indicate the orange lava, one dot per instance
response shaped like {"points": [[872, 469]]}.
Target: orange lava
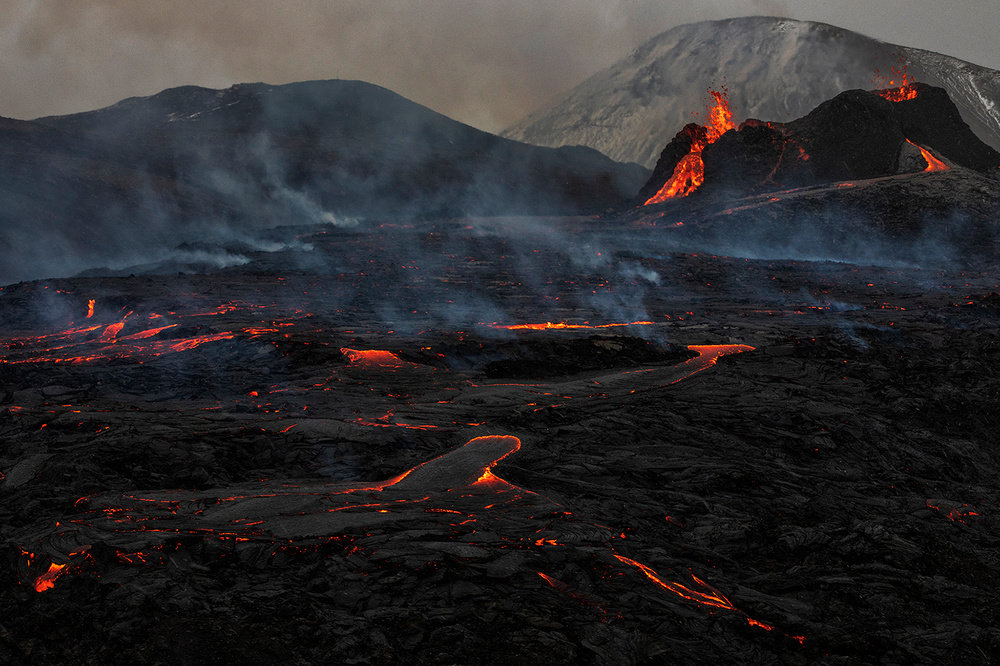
{"points": [[900, 94], [90, 308], [79, 345], [382, 422], [375, 358], [706, 595], [709, 597], [48, 579], [112, 331], [933, 163], [689, 173], [558, 584], [707, 356], [148, 333], [562, 325], [763, 625], [899, 88], [715, 351]]}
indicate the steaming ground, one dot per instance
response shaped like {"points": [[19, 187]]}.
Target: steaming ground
{"points": [[145, 179], [835, 484]]}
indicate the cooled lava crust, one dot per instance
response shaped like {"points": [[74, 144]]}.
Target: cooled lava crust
{"points": [[256, 466]]}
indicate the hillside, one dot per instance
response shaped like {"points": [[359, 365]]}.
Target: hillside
{"points": [[130, 183]]}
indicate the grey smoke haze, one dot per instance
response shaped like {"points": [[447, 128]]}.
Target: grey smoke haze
{"points": [[484, 62]]}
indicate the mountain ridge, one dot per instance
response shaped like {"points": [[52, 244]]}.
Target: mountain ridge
{"points": [[131, 182]]}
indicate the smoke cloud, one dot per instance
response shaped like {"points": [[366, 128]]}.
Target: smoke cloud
{"points": [[485, 63]]}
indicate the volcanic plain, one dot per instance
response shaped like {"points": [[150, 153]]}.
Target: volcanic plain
{"points": [[471, 441]]}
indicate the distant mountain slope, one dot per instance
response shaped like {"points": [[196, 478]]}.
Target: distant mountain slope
{"points": [[775, 69], [352, 147], [131, 182]]}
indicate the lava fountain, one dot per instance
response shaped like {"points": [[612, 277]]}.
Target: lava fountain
{"points": [[689, 173]]}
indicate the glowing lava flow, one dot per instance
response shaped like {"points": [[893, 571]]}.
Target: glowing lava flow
{"points": [[933, 163], [707, 356], [48, 579], [706, 596], [112, 331], [90, 308], [689, 173], [371, 359], [548, 326], [83, 345], [286, 513], [710, 597]]}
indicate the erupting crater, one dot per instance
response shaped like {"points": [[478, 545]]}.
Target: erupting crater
{"points": [[853, 140], [689, 173]]}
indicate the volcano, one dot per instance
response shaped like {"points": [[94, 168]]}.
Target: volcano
{"points": [[775, 68], [858, 135], [885, 175]]}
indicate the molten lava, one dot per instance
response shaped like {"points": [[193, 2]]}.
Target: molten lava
{"points": [[48, 579], [900, 94], [371, 359], [562, 325], [709, 597], [83, 345], [933, 163], [689, 173], [112, 331], [707, 356], [899, 88]]}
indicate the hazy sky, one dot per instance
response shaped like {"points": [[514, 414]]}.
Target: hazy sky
{"points": [[484, 62]]}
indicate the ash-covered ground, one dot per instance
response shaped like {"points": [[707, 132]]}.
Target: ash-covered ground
{"points": [[205, 467]]}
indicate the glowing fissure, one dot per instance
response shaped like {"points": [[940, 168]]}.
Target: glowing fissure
{"points": [[689, 173], [74, 345], [709, 597], [705, 594]]}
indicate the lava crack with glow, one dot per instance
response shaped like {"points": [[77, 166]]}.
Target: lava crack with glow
{"points": [[101, 342]]}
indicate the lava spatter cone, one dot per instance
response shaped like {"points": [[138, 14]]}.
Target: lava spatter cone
{"points": [[857, 135]]}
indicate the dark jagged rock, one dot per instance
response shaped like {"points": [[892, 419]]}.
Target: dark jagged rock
{"points": [[932, 120], [855, 135]]}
